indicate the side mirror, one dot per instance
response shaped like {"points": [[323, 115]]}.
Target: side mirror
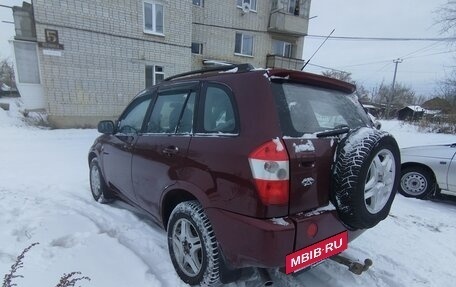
{"points": [[377, 125], [106, 127]]}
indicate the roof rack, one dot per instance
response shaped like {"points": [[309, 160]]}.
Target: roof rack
{"points": [[241, 68]]}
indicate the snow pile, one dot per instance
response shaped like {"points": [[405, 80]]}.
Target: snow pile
{"points": [[409, 135], [279, 145], [17, 117], [45, 197], [416, 108], [234, 70], [279, 221], [12, 117], [308, 146]]}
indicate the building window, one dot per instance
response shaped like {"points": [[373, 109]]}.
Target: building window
{"points": [[27, 62], [197, 48], [244, 44], [291, 6], [252, 4], [153, 18], [154, 75], [282, 48], [198, 3]]}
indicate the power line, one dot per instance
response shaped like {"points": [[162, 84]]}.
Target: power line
{"points": [[388, 62], [365, 79], [422, 49], [366, 64], [433, 54], [359, 38], [405, 57], [327, 68]]}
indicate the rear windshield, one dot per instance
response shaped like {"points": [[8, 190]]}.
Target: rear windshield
{"points": [[306, 110]]}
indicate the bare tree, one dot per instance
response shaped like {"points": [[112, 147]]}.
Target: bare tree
{"points": [[447, 89], [7, 73], [361, 91], [447, 17], [339, 75], [403, 95]]}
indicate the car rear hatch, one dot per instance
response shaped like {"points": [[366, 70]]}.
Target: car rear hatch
{"points": [[306, 112]]}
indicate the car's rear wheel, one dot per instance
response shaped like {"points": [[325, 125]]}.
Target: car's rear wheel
{"points": [[417, 182], [99, 188], [192, 245]]}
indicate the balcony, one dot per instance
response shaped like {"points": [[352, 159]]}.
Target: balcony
{"points": [[286, 23], [274, 61], [24, 22]]}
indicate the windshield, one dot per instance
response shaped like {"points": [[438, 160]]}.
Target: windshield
{"points": [[306, 109]]}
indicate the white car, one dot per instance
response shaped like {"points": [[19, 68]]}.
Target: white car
{"points": [[427, 170]]}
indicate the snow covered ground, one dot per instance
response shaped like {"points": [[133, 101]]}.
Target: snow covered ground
{"points": [[45, 198]]}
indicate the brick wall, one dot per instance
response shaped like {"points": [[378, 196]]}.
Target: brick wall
{"points": [[105, 52]]}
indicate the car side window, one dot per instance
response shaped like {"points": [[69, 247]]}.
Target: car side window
{"points": [[169, 109], [219, 113], [133, 117]]}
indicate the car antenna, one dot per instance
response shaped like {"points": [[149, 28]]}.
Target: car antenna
{"points": [[318, 49]]}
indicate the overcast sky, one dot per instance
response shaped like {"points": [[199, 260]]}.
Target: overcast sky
{"points": [[387, 18]]}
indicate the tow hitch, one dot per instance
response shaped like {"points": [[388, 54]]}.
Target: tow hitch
{"points": [[353, 266]]}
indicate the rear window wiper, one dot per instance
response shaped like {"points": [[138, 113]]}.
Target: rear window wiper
{"points": [[338, 130]]}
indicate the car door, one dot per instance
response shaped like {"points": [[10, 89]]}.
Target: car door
{"points": [[116, 151], [159, 154], [452, 171]]}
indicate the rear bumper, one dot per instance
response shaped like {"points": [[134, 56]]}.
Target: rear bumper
{"points": [[247, 241]]}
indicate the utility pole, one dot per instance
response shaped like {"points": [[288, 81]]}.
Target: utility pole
{"points": [[391, 98]]}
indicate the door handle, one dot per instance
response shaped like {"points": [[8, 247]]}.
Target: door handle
{"points": [[170, 150]]}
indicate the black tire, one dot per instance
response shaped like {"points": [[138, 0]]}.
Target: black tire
{"points": [[98, 187], [190, 216], [363, 188], [417, 182]]}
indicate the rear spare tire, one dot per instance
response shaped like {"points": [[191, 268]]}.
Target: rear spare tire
{"points": [[365, 177]]}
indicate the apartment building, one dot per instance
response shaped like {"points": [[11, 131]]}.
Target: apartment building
{"points": [[263, 33], [82, 61]]}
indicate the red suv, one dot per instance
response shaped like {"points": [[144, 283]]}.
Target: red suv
{"points": [[243, 167]]}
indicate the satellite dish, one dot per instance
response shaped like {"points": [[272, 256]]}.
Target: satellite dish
{"points": [[245, 8]]}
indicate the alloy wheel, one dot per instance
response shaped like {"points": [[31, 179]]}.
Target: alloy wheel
{"points": [[380, 181]]}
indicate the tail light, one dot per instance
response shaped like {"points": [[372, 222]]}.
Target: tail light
{"points": [[270, 168]]}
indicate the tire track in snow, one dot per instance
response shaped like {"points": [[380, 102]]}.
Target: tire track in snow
{"points": [[143, 240]]}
